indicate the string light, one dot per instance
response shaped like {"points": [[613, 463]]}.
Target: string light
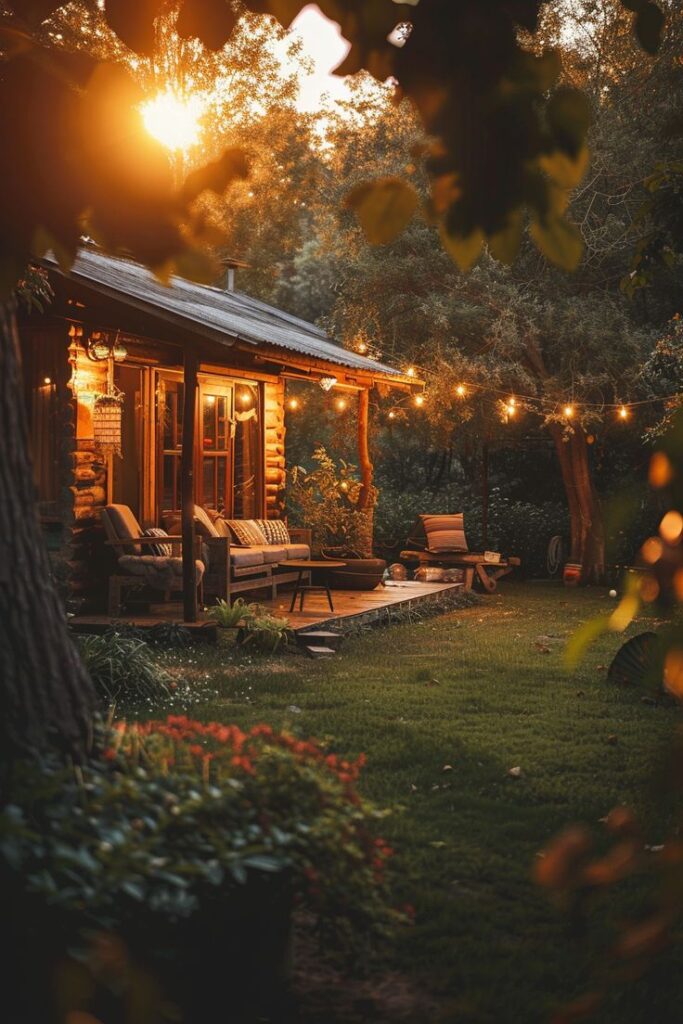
{"points": [[461, 391], [293, 404], [341, 404], [362, 347], [245, 398], [392, 415], [419, 401], [47, 380], [623, 413], [568, 411], [410, 372], [511, 408]]}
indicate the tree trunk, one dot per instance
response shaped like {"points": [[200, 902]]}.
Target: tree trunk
{"points": [[45, 692], [485, 494], [586, 525], [364, 539]]}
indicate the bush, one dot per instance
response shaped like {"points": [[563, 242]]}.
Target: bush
{"points": [[176, 814], [123, 668], [514, 527], [326, 501]]}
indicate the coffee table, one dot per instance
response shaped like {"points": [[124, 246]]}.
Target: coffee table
{"points": [[304, 565]]}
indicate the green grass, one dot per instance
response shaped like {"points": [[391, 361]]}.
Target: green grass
{"points": [[483, 690]]}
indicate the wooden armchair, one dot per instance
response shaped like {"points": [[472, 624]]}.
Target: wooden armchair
{"points": [[139, 560], [441, 541]]}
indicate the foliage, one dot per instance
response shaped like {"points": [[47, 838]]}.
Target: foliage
{"points": [[228, 616], [178, 813], [123, 668], [514, 527], [264, 631], [258, 628], [325, 500]]}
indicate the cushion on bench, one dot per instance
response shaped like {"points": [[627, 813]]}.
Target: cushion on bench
{"points": [[271, 552], [244, 558], [298, 550]]}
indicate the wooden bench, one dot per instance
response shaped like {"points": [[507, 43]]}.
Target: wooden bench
{"points": [[434, 535]]}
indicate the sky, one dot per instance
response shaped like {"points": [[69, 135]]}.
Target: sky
{"points": [[325, 46]]}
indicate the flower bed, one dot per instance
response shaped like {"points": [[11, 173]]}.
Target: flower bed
{"points": [[189, 842]]}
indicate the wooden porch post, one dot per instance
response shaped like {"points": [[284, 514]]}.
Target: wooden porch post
{"points": [[366, 467], [187, 485]]}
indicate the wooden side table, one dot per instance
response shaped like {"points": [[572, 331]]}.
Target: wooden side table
{"points": [[305, 565]]}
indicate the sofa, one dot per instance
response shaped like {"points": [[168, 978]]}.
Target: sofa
{"points": [[242, 555]]}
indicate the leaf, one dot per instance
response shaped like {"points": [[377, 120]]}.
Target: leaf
{"points": [[559, 241], [504, 245], [649, 24], [569, 118], [462, 250], [232, 165], [384, 207], [585, 635], [564, 170]]}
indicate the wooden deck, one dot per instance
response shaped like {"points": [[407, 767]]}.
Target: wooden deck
{"points": [[351, 608]]}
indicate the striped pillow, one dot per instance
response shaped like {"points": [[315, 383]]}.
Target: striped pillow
{"points": [[246, 532], [165, 550], [445, 533], [274, 530]]}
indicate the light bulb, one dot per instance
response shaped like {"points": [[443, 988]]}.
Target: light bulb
{"points": [[341, 404], [461, 391], [623, 413], [392, 415], [419, 400], [568, 411], [410, 371], [293, 404], [47, 380]]}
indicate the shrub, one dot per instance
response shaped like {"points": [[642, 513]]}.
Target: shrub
{"points": [[228, 616], [326, 500], [264, 631], [176, 814], [123, 668]]}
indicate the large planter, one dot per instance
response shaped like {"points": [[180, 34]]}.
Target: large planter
{"points": [[228, 963]]}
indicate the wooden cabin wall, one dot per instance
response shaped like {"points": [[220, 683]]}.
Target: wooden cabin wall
{"points": [[275, 471], [86, 484]]}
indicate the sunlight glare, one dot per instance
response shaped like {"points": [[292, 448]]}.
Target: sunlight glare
{"points": [[174, 120]]}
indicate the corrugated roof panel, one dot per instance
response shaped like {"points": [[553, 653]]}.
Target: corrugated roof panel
{"points": [[221, 313]]}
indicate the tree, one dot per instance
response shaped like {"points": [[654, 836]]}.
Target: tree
{"points": [[78, 160]]}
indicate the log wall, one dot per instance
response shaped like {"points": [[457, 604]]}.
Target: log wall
{"points": [[275, 472]]}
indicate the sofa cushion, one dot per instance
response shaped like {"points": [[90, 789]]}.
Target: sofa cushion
{"points": [[157, 570], [298, 550], [274, 530], [203, 523], [271, 552], [124, 526], [244, 558], [246, 532]]}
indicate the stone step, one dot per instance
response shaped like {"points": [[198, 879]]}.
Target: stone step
{"points": [[319, 652], [322, 636]]}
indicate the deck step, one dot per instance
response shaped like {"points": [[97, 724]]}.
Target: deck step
{"points": [[318, 652], [320, 636]]}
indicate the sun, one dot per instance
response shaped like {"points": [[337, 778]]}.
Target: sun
{"points": [[174, 120]]}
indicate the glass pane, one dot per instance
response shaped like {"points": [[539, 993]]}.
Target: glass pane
{"points": [[180, 394], [208, 482], [209, 420], [168, 501], [222, 481], [223, 438], [168, 413], [248, 454]]}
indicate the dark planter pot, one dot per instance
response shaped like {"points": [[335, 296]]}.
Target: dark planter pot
{"points": [[229, 963]]}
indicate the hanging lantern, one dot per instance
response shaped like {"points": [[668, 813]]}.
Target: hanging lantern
{"points": [[106, 419]]}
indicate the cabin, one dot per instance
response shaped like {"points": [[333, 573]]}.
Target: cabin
{"points": [[160, 397]]}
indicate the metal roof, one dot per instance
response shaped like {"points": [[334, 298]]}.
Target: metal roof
{"points": [[211, 311]]}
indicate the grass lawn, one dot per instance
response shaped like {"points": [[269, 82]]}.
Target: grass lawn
{"points": [[482, 690]]}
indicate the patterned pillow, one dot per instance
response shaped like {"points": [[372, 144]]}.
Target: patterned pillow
{"points": [[246, 532], [274, 530], [166, 550]]}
